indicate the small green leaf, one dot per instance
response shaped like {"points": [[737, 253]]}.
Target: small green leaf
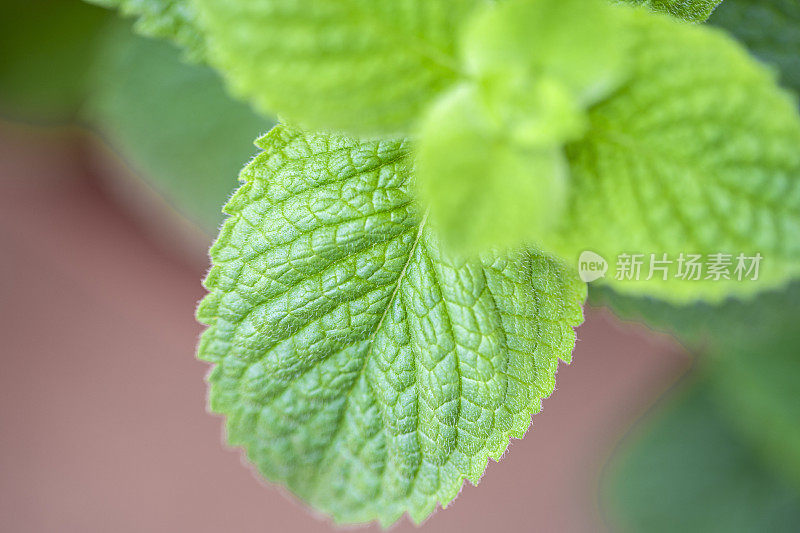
{"points": [[166, 19], [484, 189], [358, 65], [581, 44], [490, 156], [356, 362], [691, 10], [697, 156]]}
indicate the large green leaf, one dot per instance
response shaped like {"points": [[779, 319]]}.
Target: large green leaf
{"points": [[360, 65], [357, 363], [697, 156], [490, 162]]}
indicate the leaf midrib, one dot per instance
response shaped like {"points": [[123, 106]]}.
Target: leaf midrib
{"points": [[400, 277]]}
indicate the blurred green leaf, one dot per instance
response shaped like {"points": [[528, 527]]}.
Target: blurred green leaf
{"points": [[703, 325], [770, 29], [46, 49], [751, 352], [173, 122], [751, 347], [362, 66], [696, 156], [692, 472], [756, 380]]}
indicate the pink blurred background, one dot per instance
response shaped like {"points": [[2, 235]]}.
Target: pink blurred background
{"points": [[102, 402]]}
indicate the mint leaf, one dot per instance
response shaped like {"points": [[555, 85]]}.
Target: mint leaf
{"points": [[770, 29], [490, 160], [691, 10], [166, 19], [356, 65], [471, 173], [695, 156], [356, 362], [579, 44]]}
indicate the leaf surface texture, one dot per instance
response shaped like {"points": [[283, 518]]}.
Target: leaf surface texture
{"points": [[356, 362]]}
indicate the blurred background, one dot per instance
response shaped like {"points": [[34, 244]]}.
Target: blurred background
{"points": [[115, 157]]}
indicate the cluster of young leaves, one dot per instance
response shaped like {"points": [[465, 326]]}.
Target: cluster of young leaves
{"points": [[361, 357], [569, 125]]}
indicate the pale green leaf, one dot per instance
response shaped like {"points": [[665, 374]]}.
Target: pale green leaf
{"points": [[771, 31], [697, 156], [359, 65], [490, 160], [691, 10], [581, 44], [166, 19], [356, 362], [484, 189]]}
